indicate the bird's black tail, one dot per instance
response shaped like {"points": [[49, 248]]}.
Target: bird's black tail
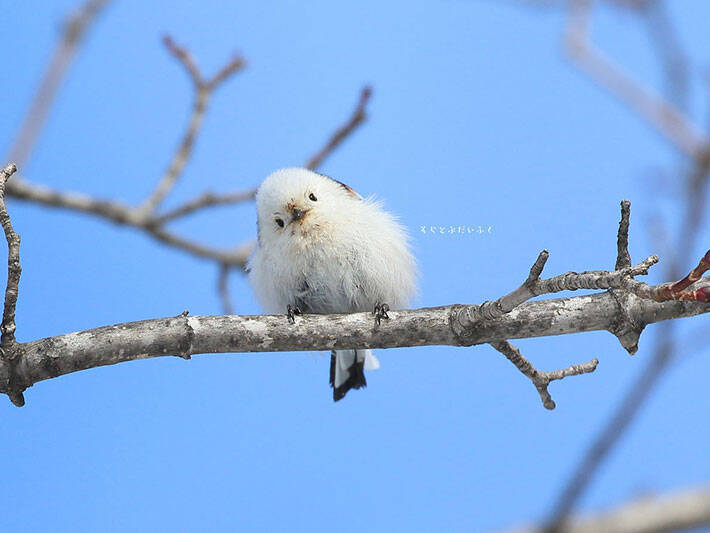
{"points": [[347, 371]]}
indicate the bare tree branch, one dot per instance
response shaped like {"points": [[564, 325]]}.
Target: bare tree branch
{"points": [[358, 117], [667, 116], [449, 325], [204, 201], [511, 316], [71, 38], [145, 217], [123, 214], [541, 380], [665, 513], [13, 263], [640, 390], [203, 91], [680, 131], [623, 258], [14, 270]]}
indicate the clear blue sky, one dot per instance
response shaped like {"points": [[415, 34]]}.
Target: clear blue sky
{"points": [[476, 119]]}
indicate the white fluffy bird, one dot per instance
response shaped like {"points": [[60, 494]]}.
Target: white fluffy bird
{"points": [[322, 248]]}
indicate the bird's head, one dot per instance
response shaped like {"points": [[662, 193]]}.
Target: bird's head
{"points": [[295, 202]]}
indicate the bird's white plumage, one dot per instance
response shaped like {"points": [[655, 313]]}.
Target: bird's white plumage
{"points": [[337, 253]]}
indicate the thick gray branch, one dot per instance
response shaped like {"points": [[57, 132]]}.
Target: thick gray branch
{"points": [[450, 325]]}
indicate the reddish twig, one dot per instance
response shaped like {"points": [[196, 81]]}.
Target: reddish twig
{"points": [[676, 291]]}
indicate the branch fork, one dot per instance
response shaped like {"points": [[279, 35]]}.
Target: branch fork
{"points": [[627, 292]]}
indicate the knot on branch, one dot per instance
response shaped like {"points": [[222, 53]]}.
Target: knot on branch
{"points": [[630, 325], [186, 343], [10, 382], [461, 319]]}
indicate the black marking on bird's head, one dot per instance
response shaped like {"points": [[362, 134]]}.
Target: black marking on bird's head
{"points": [[348, 189]]}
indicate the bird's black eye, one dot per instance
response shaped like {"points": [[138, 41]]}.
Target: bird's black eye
{"points": [[280, 222], [312, 197]]}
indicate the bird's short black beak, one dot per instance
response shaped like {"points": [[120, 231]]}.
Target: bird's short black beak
{"points": [[298, 214]]}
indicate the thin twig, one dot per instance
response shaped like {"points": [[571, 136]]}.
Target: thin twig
{"points": [[677, 290], [13, 263], [183, 56], [70, 40], [144, 217], [358, 117], [235, 64], [204, 201], [571, 281], [236, 257], [8, 342], [541, 380], [623, 258], [203, 91], [122, 214], [182, 154], [223, 289]]}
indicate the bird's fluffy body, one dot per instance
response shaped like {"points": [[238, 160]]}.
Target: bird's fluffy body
{"points": [[325, 249]]}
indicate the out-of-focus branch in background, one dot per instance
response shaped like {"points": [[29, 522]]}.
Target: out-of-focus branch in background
{"points": [[663, 513], [73, 33], [669, 117]]}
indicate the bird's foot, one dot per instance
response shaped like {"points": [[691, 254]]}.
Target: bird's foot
{"points": [[291, 312], [380, 312]]}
